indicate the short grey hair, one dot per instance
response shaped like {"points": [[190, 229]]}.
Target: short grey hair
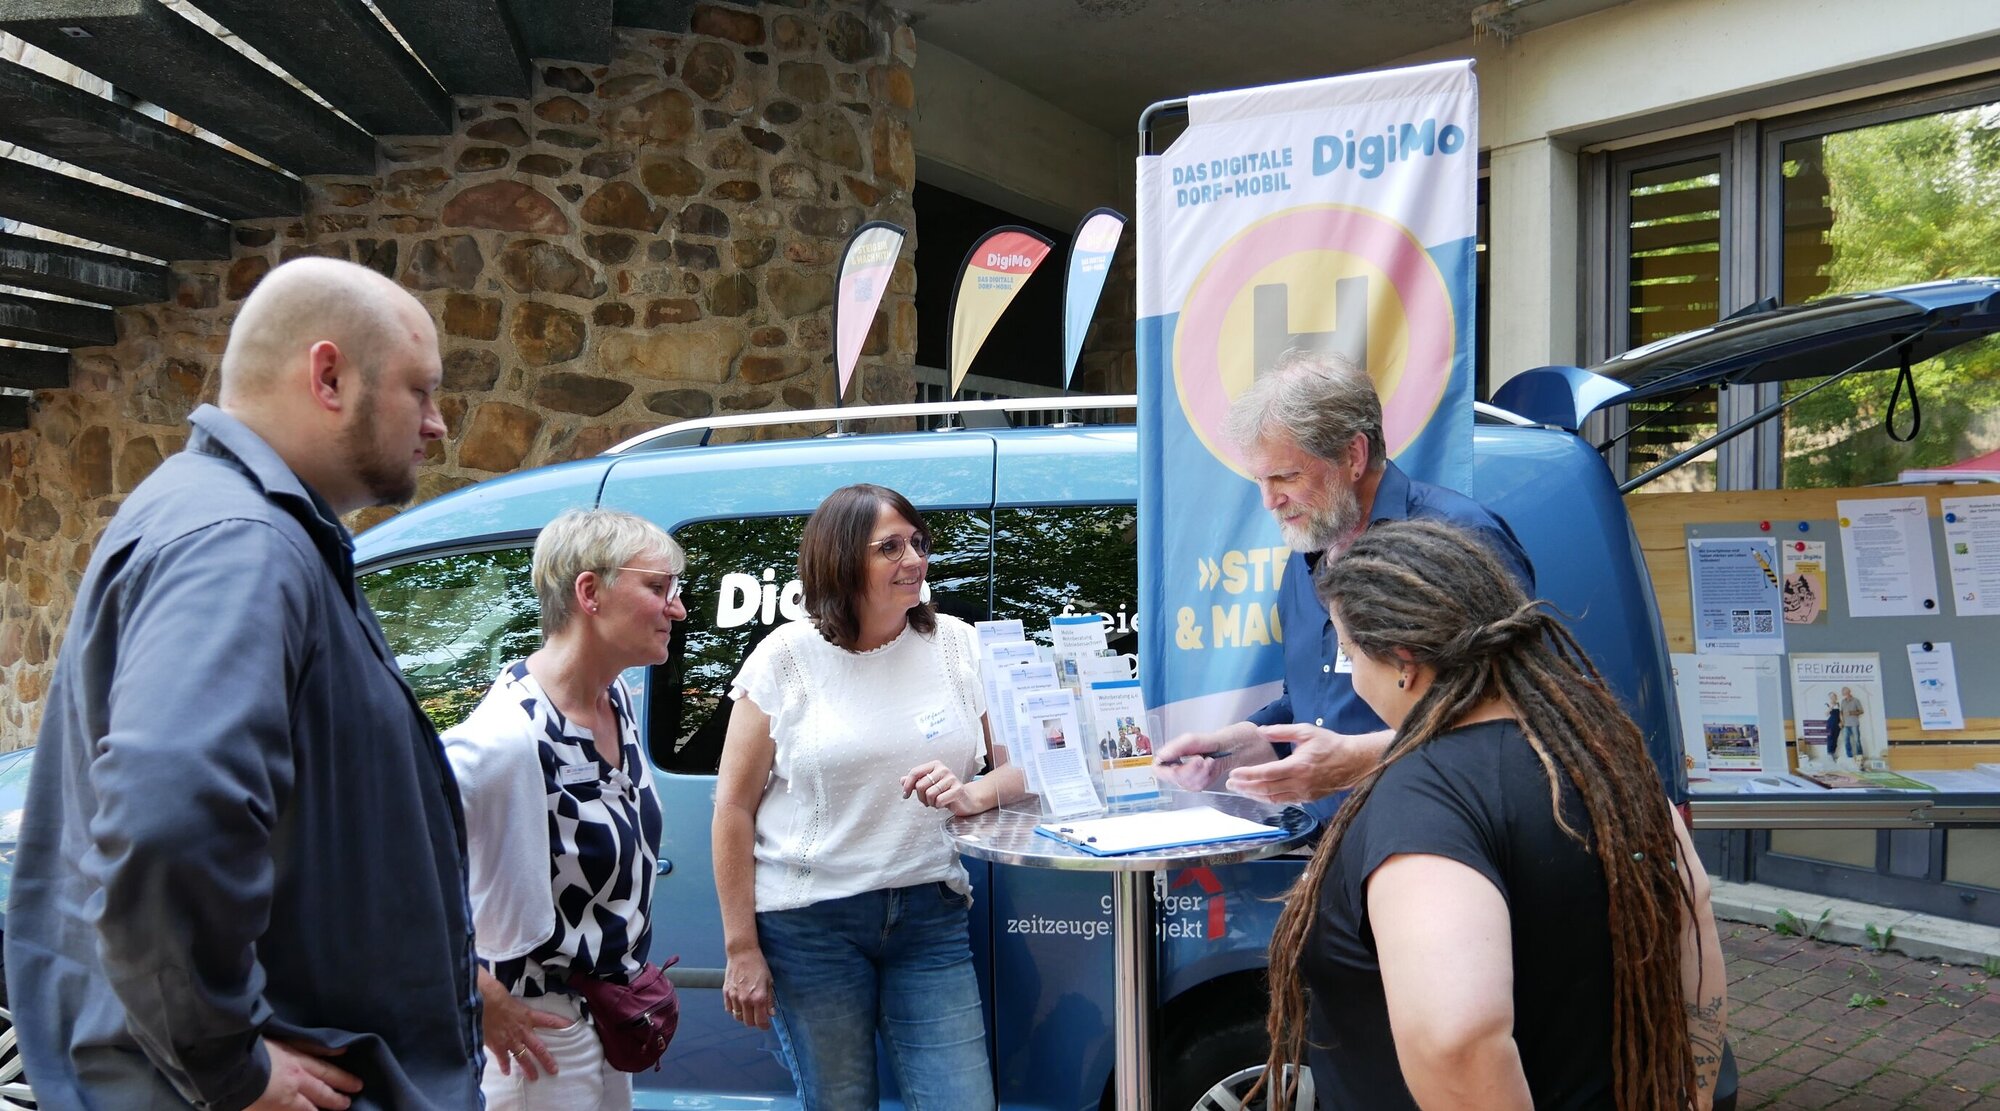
{"points": [[599, 540], [1320, 399]]}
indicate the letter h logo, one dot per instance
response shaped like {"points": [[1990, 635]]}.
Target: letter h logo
{"points": [[1271, 312]]}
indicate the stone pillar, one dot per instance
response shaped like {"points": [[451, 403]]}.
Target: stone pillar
{"points": [[637, 243]]}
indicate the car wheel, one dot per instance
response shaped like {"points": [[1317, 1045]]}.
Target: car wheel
{"points": [[14, 1091], [1214, 1069]]}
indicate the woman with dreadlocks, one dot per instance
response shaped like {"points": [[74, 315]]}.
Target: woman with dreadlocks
{"points": [[1506, 912]]}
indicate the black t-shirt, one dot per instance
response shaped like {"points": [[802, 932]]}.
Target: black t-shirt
{"points": [[1476, 795]]}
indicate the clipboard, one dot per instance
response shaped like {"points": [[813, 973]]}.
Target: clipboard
{"points": [[1151, 830]]}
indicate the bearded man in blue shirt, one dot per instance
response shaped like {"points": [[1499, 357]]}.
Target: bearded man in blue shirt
{"points": [[1311, 432]]}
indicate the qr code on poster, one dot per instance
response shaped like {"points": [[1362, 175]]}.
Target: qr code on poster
{"points": [[1763, 622], [1740, 622]]}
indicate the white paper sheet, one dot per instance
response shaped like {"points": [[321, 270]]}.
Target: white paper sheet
{"points": [[1886, 545], [997, 632], [1736, 596], [1158, 829], [1935, 678], [1972, 551]]}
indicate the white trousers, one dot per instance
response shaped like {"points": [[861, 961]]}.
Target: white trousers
{"points": [[583, 1081]]}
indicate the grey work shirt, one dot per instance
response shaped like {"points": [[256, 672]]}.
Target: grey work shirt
{"points": [[239, 822]]}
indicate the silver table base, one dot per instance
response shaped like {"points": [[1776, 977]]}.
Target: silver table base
{"points": [[1009, 837]]}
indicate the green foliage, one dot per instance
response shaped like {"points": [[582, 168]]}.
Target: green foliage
{"points": [[1860, 1000], [454, 621], [1912, 201], [1880, 940], [1990, 966], [1791, 925]]}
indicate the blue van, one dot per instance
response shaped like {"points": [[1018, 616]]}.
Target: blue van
{"points": [[1027, 522]]}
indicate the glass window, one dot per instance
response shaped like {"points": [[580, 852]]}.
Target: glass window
{"points": [[1852, 847], [1907, 201], [1673, 285], [742, 582], [1065, 560], [1972, 856], [453, 621]]}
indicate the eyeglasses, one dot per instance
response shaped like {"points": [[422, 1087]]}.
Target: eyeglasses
{"points": [[673, 581], [892, 549]]}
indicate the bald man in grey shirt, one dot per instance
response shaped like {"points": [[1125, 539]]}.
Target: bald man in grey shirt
{"points": [[241, 878]]}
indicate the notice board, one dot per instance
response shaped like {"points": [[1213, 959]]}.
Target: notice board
{"points": [[1666, 523]]}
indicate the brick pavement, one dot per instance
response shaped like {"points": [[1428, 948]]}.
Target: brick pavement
{"points": [[1817, 1025]]}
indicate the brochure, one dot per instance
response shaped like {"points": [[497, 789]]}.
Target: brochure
{"points": [[1056, 748], [1865, 781], [1737, 599], [997, 632], [1837, 711], [1076, 635], [1117, 715], [1008, 727], [1805, 582], [1732, 712], [1687, 704], [997, 657]]}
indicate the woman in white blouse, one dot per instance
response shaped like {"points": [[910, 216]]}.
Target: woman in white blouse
{"points": [[843, 902], [562, 823]]}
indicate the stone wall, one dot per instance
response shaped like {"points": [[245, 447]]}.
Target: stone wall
{"points": [[637, 243]]}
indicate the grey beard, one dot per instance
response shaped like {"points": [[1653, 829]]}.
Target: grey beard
{"points": [[1327, 527]]}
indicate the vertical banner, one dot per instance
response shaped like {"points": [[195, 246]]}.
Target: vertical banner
{"points": [[1083, 283], [1336, 214], [993, 273], [865, 268]]}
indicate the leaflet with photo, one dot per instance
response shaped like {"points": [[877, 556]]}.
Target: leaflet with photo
{"points": [[1056, 747], [1117, 715], [1837, 711], [1020, 678], [1732, 709]]}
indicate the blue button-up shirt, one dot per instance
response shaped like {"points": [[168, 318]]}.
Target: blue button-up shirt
{"points": [[1316, 691], [239, 823]]}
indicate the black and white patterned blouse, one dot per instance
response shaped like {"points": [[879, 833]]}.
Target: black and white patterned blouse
{"points": [[604, 842]]}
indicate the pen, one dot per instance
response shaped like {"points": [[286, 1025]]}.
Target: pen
{"points": [[1216, 755]]}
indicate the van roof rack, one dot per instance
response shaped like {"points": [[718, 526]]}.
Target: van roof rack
{"points": [[976, 414]]}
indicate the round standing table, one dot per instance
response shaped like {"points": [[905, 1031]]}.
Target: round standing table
{"points": [[1008, 837]]}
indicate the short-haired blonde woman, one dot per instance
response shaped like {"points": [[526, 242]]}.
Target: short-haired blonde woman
{"points": [[843, 902], [563, 826]]}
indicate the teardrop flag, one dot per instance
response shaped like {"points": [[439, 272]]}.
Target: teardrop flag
{"points": [[1083, 283], [865, 268], [992, 274]]}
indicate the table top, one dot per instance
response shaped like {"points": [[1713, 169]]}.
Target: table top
{"points": [[1008, 837]]}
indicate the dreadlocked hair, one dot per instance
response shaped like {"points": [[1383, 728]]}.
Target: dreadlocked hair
{"points": [[1434, 591]]}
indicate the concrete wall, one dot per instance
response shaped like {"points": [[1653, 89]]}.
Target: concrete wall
{"points": [[1653, 67], [983, 137]]}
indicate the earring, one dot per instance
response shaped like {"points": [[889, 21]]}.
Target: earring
{"points": [[1402, 680]]}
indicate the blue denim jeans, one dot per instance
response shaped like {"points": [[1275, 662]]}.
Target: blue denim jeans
{"points": [[896, 963]]}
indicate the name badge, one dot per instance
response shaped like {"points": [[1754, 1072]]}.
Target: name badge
{"points": [[933, 724], [569, 775], [1341, 662]]}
